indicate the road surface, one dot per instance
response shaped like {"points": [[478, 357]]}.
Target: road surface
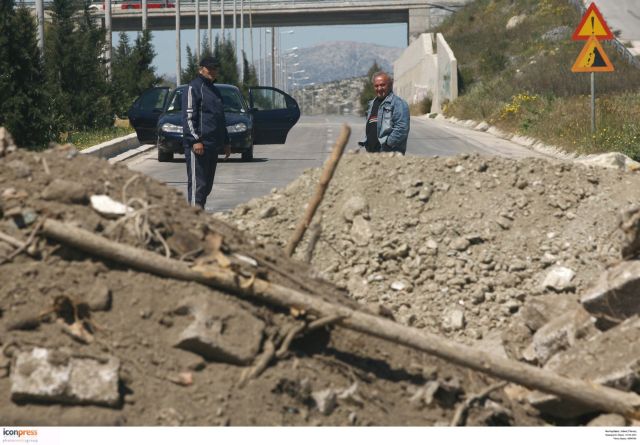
{"points": [[308, 145]]}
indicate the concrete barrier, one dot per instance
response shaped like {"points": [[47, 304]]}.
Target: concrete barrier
{"points": [[113, 147], [427, 68]]}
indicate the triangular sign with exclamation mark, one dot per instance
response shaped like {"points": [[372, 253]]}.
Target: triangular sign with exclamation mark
{"points": [[592, 25]]}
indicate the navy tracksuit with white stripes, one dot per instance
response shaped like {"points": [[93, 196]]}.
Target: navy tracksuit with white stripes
{"points": [[202, 121]]}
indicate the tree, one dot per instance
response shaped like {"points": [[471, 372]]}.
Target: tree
{"points": [[368, 92], [225, 54], [132, 72], [75, 68], [191, 71], [250, 75], [23, 101]]}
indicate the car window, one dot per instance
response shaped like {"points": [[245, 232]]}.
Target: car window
{"points": [[265, 99], [175, 102], [153, 99], [232, 101]]}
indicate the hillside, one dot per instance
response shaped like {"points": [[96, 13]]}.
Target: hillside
{"points": [[515, 59]]}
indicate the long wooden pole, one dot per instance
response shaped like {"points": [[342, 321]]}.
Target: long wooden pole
{"points": [[587, 393], [316, 199]]}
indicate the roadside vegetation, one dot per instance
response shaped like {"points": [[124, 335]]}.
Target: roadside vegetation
{"points": [[66, 94], [519, 78]]}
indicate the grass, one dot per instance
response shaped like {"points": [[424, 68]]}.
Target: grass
{"points": [[520, 79], [89, 138]]}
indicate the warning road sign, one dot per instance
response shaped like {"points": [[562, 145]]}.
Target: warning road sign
{"points": [[592, 25], [592, 59]]}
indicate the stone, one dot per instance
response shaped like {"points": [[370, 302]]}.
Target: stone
{"points": [[425, 193], [454, 320], [6, 142], [614, 297], [615, 160], [20, 169], [361, 232], [268, 212], [559, 279], [325, 400], [557, 335], [516, 20], [557, 34], [608, 420], [68, 192], [221, 331], [99, 297], [354, 206], [182, 242], [45, 375], [610, 359], [460, 244]]}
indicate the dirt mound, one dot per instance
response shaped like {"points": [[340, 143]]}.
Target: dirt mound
{"points": [[86, 341]]}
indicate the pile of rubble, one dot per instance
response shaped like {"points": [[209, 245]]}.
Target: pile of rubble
{"points": [[120, 305], [502, 254]]}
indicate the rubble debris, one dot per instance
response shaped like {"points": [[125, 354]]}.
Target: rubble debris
{"points": [[55, 376], [614, 297]]}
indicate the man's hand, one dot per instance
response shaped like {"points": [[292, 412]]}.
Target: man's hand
{"points": [[198, 148], [227, 151]]}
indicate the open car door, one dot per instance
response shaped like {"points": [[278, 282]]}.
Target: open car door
{"points": [[145, 111], [274, 114]]}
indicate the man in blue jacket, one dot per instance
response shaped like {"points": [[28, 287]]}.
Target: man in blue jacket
{"points": [[204, 131], [387, 126]]}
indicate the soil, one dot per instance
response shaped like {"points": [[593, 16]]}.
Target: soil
{"points": [[455, 246]]}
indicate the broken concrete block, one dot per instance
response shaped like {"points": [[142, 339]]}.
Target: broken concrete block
{"points": [[611, 358], [615, 296], [222, 331], [559, 334], [44, 375], [559, 279], [62, 190]]}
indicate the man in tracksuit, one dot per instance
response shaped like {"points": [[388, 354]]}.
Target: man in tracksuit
{"points": [[204, 132], [387, 125]]}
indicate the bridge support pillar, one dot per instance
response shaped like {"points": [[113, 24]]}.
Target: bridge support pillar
{"points": [[425, 19]]}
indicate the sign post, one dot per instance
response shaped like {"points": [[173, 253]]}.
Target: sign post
{"points": [[592, 58]]}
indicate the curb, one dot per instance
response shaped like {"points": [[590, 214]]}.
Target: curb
{"points": [[113, 147]]}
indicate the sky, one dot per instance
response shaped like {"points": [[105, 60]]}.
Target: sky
{"points": [[394, 35]]}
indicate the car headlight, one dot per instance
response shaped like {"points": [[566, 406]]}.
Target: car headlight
{"points": [[237, 128], [171, 128]]}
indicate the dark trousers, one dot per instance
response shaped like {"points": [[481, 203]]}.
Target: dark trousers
{"points": [[201, 170]]}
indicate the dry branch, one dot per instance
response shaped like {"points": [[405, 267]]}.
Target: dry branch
{"points": [[316, 199], [586, 393]]}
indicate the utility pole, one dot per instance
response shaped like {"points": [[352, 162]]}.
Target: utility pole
{"points": [[273, 57], [242, 40], [235, 29], [144, 15], [251, 32], [107, 25], [210, 32], [40, 19], [198, 29], [221, 20], [178, 64]]}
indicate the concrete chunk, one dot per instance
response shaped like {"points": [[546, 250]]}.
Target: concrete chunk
{"points": [[611, 358], [615, 296], [44, 375], [222, 331]]}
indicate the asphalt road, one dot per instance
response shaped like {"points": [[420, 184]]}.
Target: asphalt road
{"points": [[308, 145]]}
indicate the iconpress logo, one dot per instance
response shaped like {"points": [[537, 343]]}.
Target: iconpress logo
{"points": [[19, 435]]}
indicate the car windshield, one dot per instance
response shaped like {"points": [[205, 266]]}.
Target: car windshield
{"points": [[233, 102]]}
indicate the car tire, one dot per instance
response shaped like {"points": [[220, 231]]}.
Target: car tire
{"points": [[165, 156], [247, 155]]}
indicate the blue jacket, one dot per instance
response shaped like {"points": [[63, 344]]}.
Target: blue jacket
{"points": [[203, 115], [393, 124]]}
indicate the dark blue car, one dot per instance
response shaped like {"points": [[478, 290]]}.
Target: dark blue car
{"points": [[157, 117]]}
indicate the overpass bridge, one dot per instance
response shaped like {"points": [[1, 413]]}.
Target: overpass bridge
{"points": [[419, 15]]}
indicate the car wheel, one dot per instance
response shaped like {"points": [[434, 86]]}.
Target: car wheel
{"points": [[247, 155], [163, 156]]}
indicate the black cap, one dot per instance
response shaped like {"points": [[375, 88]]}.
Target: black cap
{"points": [[209, 62]]}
